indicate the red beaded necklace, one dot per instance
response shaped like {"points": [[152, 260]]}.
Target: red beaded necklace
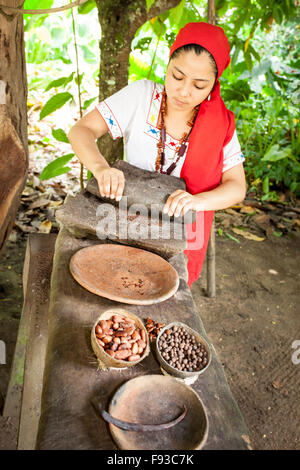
{"points": [[180, 150]]}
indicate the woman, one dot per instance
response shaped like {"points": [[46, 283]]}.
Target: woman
{"points": [[182, 129]]}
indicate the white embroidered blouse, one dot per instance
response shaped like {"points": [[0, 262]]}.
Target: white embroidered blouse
{"points": [[132, 113]]}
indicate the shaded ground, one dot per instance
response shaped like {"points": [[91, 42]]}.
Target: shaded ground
{"points": [[11, 300], [252, 324]]}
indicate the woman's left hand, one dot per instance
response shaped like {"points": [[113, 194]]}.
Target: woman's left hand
{"points": [[180, 202]]}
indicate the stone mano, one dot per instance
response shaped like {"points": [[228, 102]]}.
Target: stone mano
{"points": [[146, 188]]}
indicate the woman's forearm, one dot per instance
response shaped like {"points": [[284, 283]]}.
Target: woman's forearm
{"points": [[83, 140], [85, 147], [225, 195]]}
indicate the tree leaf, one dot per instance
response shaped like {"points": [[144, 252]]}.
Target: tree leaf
{"points": [[37, 4], [87, 103], [158, 27], [232, 238], [55, 102], [253, 52], [149, 4], [266, 185], [57, 167], [274, 153], [63, 81], [176, 14], [86, 7]]}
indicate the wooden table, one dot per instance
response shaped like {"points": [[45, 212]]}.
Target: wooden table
{"points": [[64, 417]]}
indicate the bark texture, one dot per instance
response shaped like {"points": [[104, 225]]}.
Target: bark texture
{"points": [[211, 12], [13, 117], [119, 20]]}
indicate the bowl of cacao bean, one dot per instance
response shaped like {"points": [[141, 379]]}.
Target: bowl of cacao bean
{"points": [[119, 339], [181, 351]]}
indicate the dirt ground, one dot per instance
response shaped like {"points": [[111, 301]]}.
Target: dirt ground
{"points": [[252, 323]]}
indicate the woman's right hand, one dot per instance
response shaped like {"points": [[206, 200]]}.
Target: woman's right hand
{"points": [[111, 182]]}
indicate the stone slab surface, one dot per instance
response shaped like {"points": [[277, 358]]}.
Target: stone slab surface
{"points": [[85, 216], [145, 187]]}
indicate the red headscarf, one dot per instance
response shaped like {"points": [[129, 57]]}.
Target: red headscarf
{"points": [[213, 129]]}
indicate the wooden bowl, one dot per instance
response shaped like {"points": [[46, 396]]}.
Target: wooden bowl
{"points": [[157, 399], [105, 358], [124, 274], [172, 370]]}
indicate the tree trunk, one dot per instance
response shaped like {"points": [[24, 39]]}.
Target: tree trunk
{"points": [[119, 20], [13, 117]]}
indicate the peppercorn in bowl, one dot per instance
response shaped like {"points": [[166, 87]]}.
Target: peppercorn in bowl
{"points": [[181, 351], [119, 339]]}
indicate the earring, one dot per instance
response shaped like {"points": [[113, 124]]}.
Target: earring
{"points": [[208, 98]]}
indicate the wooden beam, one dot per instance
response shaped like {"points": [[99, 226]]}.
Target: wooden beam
{"points": [[38, 294], [211, 249], [211, 263], [23, 398]]}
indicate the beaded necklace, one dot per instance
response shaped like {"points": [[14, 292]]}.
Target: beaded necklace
{"points": [[180, 150]]}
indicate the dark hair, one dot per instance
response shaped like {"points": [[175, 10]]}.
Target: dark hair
{"points": [[198, 50]]}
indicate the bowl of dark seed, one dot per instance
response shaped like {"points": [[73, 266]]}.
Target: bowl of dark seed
{"points": [[181, 351]]}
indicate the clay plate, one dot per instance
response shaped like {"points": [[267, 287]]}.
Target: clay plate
{"points": [[165, 397], [124, 274]]}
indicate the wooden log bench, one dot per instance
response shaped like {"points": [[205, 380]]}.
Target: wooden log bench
{"points": [[58, 384], [23, 398]]}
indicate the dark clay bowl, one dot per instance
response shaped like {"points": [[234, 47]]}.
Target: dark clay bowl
{"points": [[156, 399]]}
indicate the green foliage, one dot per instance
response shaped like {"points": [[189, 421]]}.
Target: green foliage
{"points": [[60, 135], [35, 20], [60, 82], [51, 65], [55, 102], [37, 4], [87, 103], [267, 117], [87, 7], [149, 4], [261, 85], [274, 154], [143, 44]]}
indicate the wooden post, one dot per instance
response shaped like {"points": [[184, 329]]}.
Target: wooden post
{"points": [[211, 249], [211, 12]]}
